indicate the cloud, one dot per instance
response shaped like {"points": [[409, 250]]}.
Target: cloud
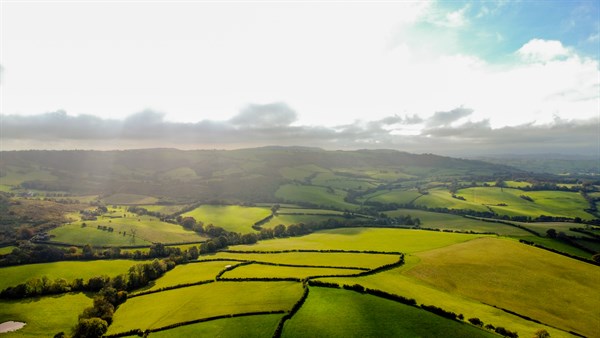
{"points": [[276, 114], [538, 50], [270, 124]]}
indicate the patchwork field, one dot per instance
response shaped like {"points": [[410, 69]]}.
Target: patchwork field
{"points": [[315, 195], [441, 198], [270, 271], [209, 300], [44, 316], [342, 313], [258, 326], [394, 196], [230, 217], [189, 273], [296, 219], [129, 199], [13, 275]]}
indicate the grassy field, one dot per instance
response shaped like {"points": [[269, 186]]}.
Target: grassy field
{"points": [[315, 195], [289, 210], [17, 175], [342, 182], [202, 301], [163, 209], [396, 281], [301, 172], [251, 327], [402, 240], [455, 222], [129, 199], [557, 245], [295, 219], [519, 281], [345, 259], [148, 229], [270, 271], [190, 273], [7, 249], [229, 217], [542, 227], [393, 196], [44, 316], [13, 275], [342, 313], [441, 198]]}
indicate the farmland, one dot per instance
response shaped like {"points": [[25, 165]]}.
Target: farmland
{"points": [[231, 217], [314, 195]]}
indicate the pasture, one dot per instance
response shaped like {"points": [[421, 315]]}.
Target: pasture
{"points": [[163, 209], [301, 172], [342, 259], [233, 218], [13, 275], [341, 313], [202, 301], [129, 199], [390, 240], [393, 196], [342, 182], [441, 198], [257, 326], [296, 219], [332, 198], [519, 281], [5, 250], [271, 271], [189, 273], [44, 316]]}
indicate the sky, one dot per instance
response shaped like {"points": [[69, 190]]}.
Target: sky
{"points": [[447, 77]]}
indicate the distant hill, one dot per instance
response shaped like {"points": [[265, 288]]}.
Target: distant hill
{"points": [[558, 164]]}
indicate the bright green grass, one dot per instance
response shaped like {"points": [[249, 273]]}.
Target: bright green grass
{"points": [[403, 240], [512, 184], [285, 210], [550, 288], [202, 301], [5, 188], [342, 313], [163, 209], [190, 273], [315, 195], [271, 271], [13, 275], [396, 281], [455, 222], [388, 175], [441, 198], [557, 245], [129, 199], [148, 229], [44, 316], [542, 227], [250, 326], [233, 218], [341, 182], [7, 249], [346, 259], [296, 219], [394, 196]]}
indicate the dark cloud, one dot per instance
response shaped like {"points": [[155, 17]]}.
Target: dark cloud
{"points": [[445, 118], [259, 125], [276, 114]]}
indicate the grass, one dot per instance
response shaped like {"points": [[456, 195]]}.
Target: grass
{"points": [[341, 182], [315, 195], [229, 217], [441, 198], [542, 227], [393, 196], [548, 287], [202, 301], [301, 172], [129, 199], [396, 281], [14, 275], [295, 219], [7, 249], [190, 273], [164, 209], [403, 240], [270, 271], [288, 210], [16, 175], [455, 222], [44, 316], [249, 327], [557, 245], [148, 229], [342, 313], [358, 260]]}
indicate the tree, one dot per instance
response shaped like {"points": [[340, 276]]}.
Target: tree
{"points": [[90, 328], [188, 222], [542, 333], [476, 321], [551, 233], [88, 252]]}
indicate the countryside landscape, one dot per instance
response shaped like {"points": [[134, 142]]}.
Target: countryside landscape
{"points": [[294, 242]]}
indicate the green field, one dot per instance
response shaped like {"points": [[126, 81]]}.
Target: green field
{"points": [[17, 175], [521, 278], [163, 209], [129, 199], [346, 259], [148, 229], [441, 198], [189, 273], [438, 220], [203, 301], [43, 316], [250, 326], [271, 271], [557, 245], [342, 313], [296, 219], [403, 240], [229, 217], [342, 182], [301, 172], [542, 227], [393, 196], [315, 195], [289, 210], [13, 275], [7, 249]]}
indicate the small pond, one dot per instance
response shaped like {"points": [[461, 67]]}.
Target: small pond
{"points": [[10, 326]]}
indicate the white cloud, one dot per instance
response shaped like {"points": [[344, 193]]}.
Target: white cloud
{"points": [[543, 50]]}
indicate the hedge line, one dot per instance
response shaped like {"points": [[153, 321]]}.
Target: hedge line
{"points": [[166, 288], [313, 266], [314, 250], [229, 268], [582, 259], [295, 308]]}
